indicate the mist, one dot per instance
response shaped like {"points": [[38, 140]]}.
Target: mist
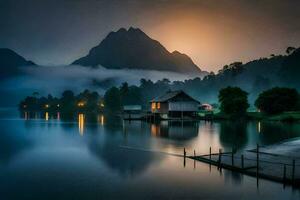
{"points": [[55, 79]]}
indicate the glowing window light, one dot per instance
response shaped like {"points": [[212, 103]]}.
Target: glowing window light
{"points": [[80, 104], [153, 105], [158, 105]]}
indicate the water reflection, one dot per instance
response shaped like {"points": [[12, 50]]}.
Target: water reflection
{"points": [[101, 119], [125, 150], [129, 156], [223, 134], [233, 134], [259, 127], [81, 123], [46, 116], [273, 132], [180, 130]]}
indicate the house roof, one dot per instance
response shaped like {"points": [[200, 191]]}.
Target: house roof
{"points": [[169, 95]]}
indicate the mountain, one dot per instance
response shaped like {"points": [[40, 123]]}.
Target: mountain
{"points": [[290, 70], [10, 63], [133, 49]]}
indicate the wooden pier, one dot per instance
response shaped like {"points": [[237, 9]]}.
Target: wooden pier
{"points": [[255, 163]]}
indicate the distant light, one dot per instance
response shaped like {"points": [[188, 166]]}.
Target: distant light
{"points": [[58, 105], [102, 105], [80, 104], [24, 106], [47, 106]]}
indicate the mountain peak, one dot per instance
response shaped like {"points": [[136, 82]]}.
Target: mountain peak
{"points": [[135, 30], [134, 49], [10, 62]]}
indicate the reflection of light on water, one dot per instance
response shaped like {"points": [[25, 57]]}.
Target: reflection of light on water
{"points": [[81, 123], [46, 116], [58, 116], [102, 120], [155, 130], [259, 127], [26, 115]]}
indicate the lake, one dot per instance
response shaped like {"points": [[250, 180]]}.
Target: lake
{"points": [[44, 156]]}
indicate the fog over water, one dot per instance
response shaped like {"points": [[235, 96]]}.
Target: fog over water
{"points": [[56, 79]]}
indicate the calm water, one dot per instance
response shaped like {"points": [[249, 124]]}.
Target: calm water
{"points": [[101, 157]]}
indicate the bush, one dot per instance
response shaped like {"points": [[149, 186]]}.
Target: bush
{"points": [[278, 100], [234, 101]]}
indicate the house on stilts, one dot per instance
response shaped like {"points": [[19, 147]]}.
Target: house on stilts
{"points": [[174, 105]]}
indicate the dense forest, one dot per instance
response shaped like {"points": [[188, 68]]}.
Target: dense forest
{"points": [[253, 77]]}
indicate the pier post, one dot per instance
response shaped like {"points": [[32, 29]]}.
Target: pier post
{"points": [[220, 157], [293, 171], [257, 159], [232, 158], [284, 173], [257, 164], [184, 155], [242, 160], [194, 153], [210, 153]]}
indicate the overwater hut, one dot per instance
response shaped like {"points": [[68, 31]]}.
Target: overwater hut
{"points": [[174, 104]]}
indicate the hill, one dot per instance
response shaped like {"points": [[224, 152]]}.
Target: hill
{"points": [[10, 63]]}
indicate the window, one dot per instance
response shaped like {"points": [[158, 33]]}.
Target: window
{"points": [[153, 105], [158, 105]]}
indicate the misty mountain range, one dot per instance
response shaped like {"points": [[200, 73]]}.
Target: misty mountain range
{"points": [[133, 50]]}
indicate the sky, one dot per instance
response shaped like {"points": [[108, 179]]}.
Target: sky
{"points": [[212, 32]]}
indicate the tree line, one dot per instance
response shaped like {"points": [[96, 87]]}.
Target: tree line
{"points": [[233, 101]]}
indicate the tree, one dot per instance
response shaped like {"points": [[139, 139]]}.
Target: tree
{"points": [[67, 102], [112, 100], [290, 50], [234, 101], [278, 100]]}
